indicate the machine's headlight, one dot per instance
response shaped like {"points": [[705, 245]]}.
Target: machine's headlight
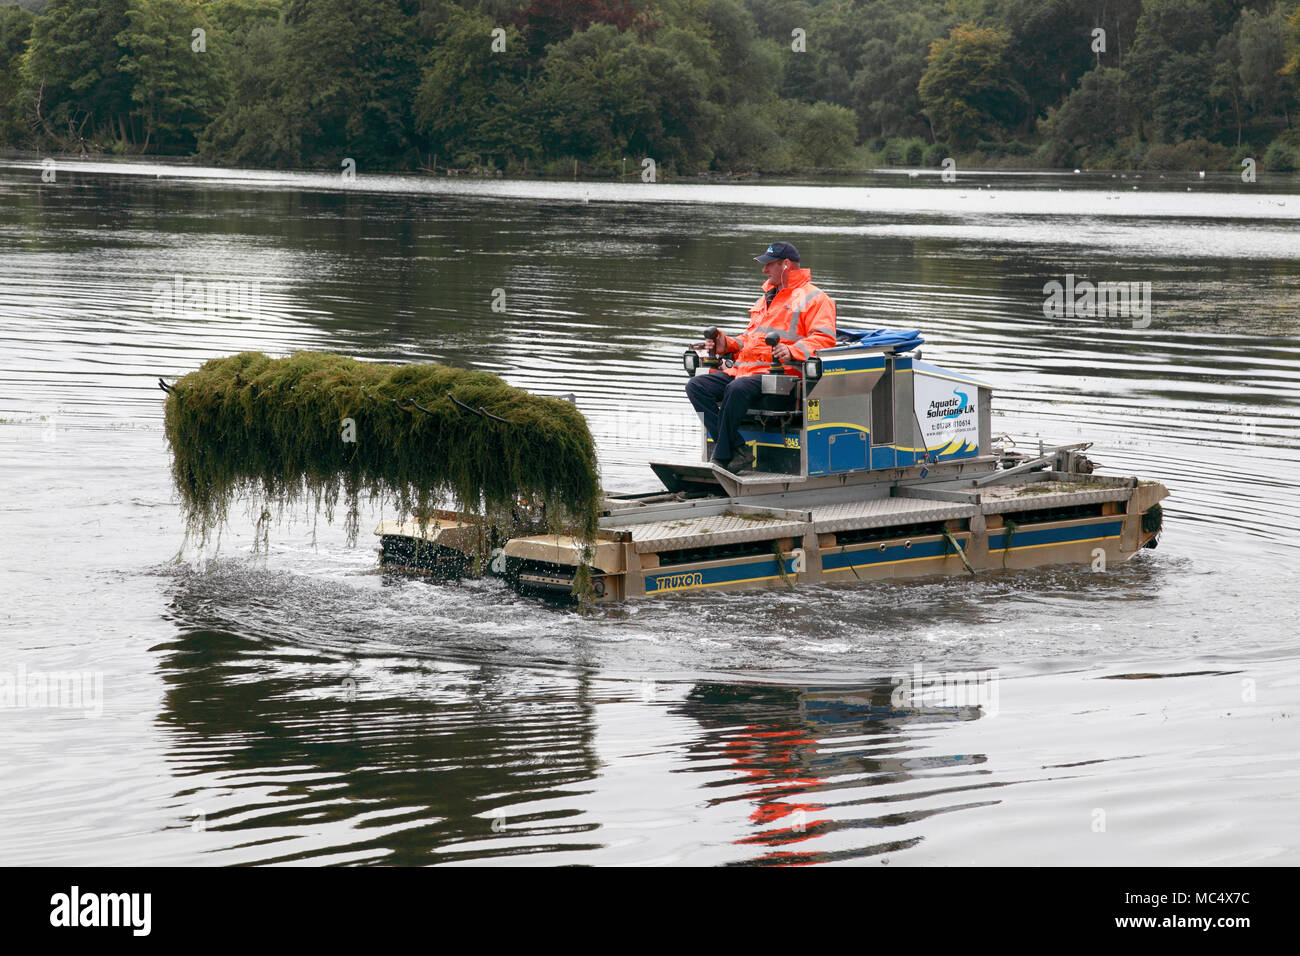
{"points": [[812, 369], [690, 361]]}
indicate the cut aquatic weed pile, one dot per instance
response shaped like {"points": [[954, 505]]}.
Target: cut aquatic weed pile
{"points": [[253, 425]]}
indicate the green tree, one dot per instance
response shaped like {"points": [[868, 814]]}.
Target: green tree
{"points": [[72, 88], [1251, 82], [967, 90], [775, 20], [352, 70], [822, 134], [334, 79], [235, 18], [749, 68], [749, 137], [255, 126], [545, 22], [884, 91], [1172, 65], [1096, 115], [605, 95], [177, 88], [471, 99], [1292, 41], [1048, 50], [837, 35], [1265, 85], [15, 28]]}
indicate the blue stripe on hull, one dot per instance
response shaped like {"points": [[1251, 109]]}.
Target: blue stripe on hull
{"points": [[667, 581], [1032, 538], [869, 556]]}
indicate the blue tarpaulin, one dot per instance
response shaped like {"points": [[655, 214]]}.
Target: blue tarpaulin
{"points": [[901, 340]]}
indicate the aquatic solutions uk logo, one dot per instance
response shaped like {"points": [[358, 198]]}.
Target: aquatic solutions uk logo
{"points": [[1082, 299], [948, 416], [954, 407], [76, 909]]}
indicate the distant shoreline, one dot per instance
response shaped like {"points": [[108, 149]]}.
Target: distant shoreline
{"points": [[828, 176]]}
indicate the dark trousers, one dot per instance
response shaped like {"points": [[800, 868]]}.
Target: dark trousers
{"points": [[723, 401]]}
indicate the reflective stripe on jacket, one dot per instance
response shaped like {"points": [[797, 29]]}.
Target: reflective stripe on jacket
{"points": [[802, 314]]}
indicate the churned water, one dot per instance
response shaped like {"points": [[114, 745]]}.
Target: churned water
{"points": [[297, 705]]}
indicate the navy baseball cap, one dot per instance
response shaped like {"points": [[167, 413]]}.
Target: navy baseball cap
{"points": [[778, 250]]}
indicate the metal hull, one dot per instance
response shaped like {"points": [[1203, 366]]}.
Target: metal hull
{"points": [[784, 536]]}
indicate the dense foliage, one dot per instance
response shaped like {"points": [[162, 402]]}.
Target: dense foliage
{"points": [[729, 85], [326, 427]]}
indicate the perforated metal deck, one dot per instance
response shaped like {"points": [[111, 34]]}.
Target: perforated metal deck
{"points": [[1041, 495], [764, 477], [886, 511], [682, 531], [707, 531]]}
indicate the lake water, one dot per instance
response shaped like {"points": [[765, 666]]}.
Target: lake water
{"points": [[299, 706]]}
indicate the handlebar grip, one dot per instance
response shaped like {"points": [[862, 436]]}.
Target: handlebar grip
{"points": [[773, 339]]}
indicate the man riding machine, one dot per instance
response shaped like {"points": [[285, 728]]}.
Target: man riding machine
{"points": [[791, 320]]}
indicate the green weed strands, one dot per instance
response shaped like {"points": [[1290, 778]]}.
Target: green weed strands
{"points": [[318, 428]]}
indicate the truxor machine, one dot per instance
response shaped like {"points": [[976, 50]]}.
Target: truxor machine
{"points": [[870, 463]]}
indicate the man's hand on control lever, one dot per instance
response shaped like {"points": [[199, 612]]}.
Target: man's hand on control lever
{"points": [[781, 352], [715, 343]]}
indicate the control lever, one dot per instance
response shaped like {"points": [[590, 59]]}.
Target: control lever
{"points": [[773, 339], [713, 359]]}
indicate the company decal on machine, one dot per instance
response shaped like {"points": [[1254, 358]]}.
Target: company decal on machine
{"points": [[676, 582], [948, 416]]}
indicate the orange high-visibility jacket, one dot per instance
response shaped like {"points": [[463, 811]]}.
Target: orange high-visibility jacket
{"points": [[801, 313]]}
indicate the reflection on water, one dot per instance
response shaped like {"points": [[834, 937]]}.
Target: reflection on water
{"points": [[299, 706], [286, 756], [286, 747], [813, 760]]}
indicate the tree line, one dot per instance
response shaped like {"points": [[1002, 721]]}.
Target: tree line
{"points": [[765, 86]]}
